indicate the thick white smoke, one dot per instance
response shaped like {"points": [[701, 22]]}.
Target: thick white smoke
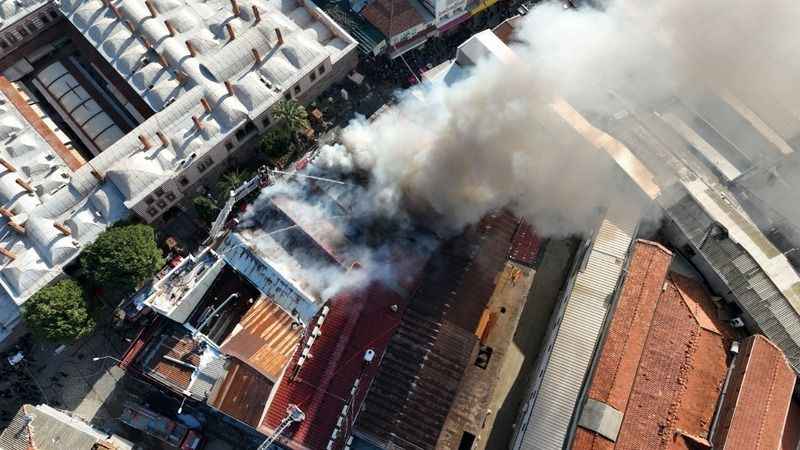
{"points": [[490, 139]]}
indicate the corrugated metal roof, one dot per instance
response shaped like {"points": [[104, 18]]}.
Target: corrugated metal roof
{"points": [[744, 260], [545, 423], [265, 339]]}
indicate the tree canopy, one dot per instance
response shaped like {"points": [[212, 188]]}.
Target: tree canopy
{"points": [[122, 257], [58, 313], [206, 208], [230, 181], [292, 114], [277, 142]]}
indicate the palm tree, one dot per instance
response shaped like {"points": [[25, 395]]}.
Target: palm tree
{"points": [[293, 115], [231, 180]]}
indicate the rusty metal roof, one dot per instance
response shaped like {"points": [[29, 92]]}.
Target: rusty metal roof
{"points": [[265, 339], [243, 394], [424, 363]]}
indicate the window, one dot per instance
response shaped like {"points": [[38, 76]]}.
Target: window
{"points": [[170, 196], [266, 122], [296, 90], [205, 164], [184, 181], [152, 212], [22, 31], [467, 441], [44, 18], [321, 70], [229, 146], [287, 96], [484, 355], [11, 38], [149, 200], [53, 14], [32, 27], [159, 192], [3, 44], [161, 204], [312, 77]]}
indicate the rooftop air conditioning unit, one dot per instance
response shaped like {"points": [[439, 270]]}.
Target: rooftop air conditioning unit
{"points": [[737, 322]]}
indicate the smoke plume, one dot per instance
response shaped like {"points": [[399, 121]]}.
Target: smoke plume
{"points": [[458, 150]]}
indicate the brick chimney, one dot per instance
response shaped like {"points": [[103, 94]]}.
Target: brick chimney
{"points": [[205, 104], [197, 122], [162, 138], [16, 227], [7, 253], [231, 33], [25, 185], [163, 61], [256, 14], [115, 10], [151, 8], [63, 229], [170, 28], [256, 55], [235, 8], [129, 26], [97, 175], [279, 35], [229, 87], [5, 212], [145, 142], [191, 49], [9, 167]]}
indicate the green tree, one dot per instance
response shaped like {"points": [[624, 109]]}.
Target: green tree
{"points": [[206, 208], [122, 258], [58, 313], [230, 181], [293, 115], [277, 142]]}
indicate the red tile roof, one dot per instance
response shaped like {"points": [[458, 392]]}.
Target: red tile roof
{"points": [[357, 322], [265, 339], [663, 362], [525, 245], [392, 17], [759, 392]]}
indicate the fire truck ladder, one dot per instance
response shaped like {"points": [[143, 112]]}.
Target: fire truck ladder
{"points": [[293, 415]]}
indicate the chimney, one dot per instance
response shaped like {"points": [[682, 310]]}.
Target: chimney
{"points": [[25, 185], [197, 122], [163, 61], [231, 33], [16, 227], [146, 43], [150, 7], [235, 8], [97, 175], [180, 76], [7, 253], [170, 28], [256, 55], [60, 227], [191, 49], [229, 87], [144, 141], [115, 10], [163, 138], [9, 167], [5, 212], [205, 104], [129, 25], [257, 14], [279, 35]]}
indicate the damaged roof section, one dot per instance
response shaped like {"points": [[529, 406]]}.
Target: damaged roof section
{"points": [[425, 361]]}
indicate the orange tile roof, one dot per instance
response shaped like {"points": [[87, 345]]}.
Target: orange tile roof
{"points": [[265, 339], [663, 362], [754, 412]]}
